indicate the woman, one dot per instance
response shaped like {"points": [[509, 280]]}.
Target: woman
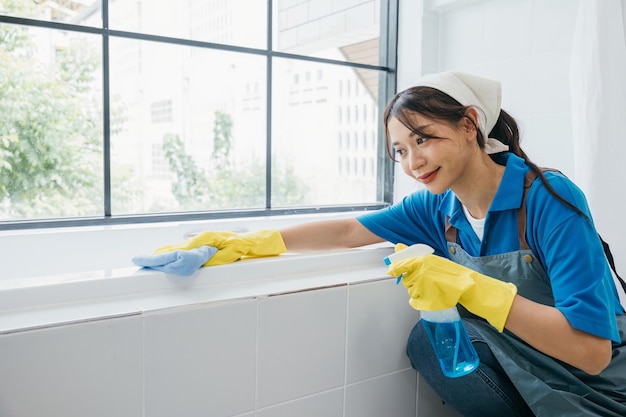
{"points": [[515, 245]]}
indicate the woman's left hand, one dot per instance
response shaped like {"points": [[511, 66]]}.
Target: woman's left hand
{"points": [[436, 283]]}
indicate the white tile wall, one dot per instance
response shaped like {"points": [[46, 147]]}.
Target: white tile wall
{"points": [[462, 32], [336, 351], [558, 144], [201, 361], [507, 26], [327, 404], [89, 369], [553, 25], [379, 320], [302, 338], [383, 396]]}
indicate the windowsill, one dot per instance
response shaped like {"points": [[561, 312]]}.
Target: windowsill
{"points": [[63, 251], [85, 296], [73, 275]]}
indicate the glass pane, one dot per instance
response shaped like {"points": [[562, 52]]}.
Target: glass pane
{"points": [[188, 128], [77, 12], [343, 31], [50, 124], [324, 134], [231, 22]]}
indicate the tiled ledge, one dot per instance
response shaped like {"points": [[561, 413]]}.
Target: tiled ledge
{"points": [[30, 303]]}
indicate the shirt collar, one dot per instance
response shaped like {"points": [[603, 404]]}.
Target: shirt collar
{"points": [[509, 194]]}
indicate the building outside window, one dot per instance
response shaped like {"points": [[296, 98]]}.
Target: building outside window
{"points": [[143, 110]]}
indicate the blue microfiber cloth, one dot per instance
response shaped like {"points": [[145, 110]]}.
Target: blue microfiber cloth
{"points": [[178, 262]]}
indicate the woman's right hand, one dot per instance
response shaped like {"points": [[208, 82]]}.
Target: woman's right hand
{"points": [[233, 246]]}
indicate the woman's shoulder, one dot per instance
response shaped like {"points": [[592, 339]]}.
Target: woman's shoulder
{"points": [[545, 207], [559, 183]]}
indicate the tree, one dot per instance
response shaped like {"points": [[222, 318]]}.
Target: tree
{"points": [[224, 187], [50, 128], [51, 160], [222, 131], [191, 186]]}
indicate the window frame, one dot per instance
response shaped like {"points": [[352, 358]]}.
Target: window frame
{"points": [[387, 87]]}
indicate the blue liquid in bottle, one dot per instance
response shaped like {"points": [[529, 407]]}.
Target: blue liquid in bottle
{"points": [[449, 339]]}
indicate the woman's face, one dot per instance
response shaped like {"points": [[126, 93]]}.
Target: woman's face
{"points": [[438, 159]]}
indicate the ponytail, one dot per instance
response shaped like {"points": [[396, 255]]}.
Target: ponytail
{"points": [[507, 132]]}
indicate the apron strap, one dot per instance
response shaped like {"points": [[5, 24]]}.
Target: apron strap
{"points": [[521, 213], [451, 231], [521, 227]]}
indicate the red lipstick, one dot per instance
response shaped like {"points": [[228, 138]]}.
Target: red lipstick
{"points": [[428, 177]]}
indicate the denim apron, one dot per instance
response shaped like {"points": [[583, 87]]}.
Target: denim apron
{"points": [[550, 387]]}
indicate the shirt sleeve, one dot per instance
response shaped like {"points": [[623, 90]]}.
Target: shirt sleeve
{"points": [[415, 219], [568, 246]]}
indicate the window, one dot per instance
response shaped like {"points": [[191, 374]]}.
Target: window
{"points": [[148, 110]]}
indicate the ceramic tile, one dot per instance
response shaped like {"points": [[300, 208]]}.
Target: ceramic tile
{"points": [[88, 369], [453, 33], [429, 56], [389, 395], [327, 404], [553, 25], [548, 142], [201, 361], [379, 322], [507, 29], [301, 344], [549, 83]]}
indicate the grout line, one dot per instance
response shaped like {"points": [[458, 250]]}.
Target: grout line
{"points": [[386, 374], [256, 358], [143, 365], [345, 351], [68, 323]]}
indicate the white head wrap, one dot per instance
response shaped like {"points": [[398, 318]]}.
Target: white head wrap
{"points": [[469, 90]]}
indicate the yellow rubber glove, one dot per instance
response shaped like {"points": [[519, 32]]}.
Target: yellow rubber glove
{"points": [[436, 283], [233, 246]]}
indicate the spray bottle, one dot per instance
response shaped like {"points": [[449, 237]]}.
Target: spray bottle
{"points": [[444, 328]]}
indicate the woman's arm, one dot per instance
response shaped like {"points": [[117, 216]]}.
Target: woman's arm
{"points": [[546, 329], [331, 234], [579, 276]]}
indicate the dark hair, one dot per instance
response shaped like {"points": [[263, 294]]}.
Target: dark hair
{"points": [[434, 104]]}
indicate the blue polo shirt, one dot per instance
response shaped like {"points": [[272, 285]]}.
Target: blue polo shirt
{"points": [[566, 243]]}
